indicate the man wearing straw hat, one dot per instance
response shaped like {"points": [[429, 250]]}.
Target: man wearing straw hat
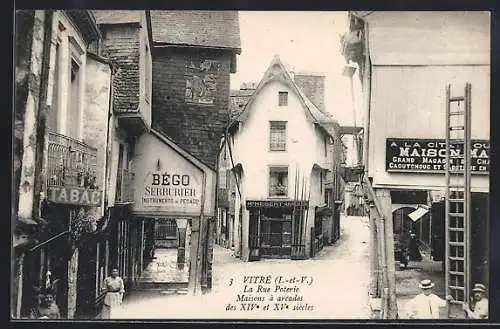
{"points": [[426, 304], [479, 304]]}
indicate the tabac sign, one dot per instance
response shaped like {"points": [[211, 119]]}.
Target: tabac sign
{"points": [[74, 196], [429, 156]]}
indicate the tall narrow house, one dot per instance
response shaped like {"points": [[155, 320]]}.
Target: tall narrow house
{"points": [[194, 53], [62, 105]]}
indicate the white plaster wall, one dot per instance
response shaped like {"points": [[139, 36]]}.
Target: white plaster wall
{"points": [[251, 148], [95, 123], [417, 110], [251, 142]]}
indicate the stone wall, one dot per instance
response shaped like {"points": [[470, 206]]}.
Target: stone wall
{"points": [[190, 104]]}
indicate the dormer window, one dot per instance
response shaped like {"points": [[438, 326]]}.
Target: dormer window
{"points": [[283, 98]]}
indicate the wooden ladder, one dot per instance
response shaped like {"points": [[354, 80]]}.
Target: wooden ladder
{"points": [[458, 195]]}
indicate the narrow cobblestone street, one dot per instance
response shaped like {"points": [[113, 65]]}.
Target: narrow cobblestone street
{"points": [[340, 278]]}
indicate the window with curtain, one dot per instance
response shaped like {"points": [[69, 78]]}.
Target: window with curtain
{"points": [[277, 136]]}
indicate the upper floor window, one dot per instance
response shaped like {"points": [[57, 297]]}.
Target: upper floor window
{"points": [[73, 113], [277, 136], [283, 98], [278, 181], [68, 82]]}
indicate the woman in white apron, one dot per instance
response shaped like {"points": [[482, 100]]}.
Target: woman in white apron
{"points": [[114, 288]]}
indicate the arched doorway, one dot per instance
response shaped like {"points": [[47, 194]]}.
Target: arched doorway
{"points": [[402, 223]]}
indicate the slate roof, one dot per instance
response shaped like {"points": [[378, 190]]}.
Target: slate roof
{"points": [[238, 100], [202, 28], [117, 16], [323, 119]]}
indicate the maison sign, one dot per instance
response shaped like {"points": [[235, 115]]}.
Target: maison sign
{"points": [[275, 204], [170, 189], [74, 196], [429, 156]]}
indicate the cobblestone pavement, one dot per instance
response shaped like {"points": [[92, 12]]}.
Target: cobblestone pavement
{"points": [[164, 268], [339, 288]]}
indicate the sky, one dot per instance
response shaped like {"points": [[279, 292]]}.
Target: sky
{"points": [[306, 41]]}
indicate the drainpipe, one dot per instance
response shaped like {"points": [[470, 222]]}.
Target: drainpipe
{"points": [[109, 144], [42, 116]]}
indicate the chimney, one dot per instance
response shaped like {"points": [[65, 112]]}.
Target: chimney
{"points": [[313, 86]]}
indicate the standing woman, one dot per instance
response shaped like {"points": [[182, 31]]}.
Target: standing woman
{"points": [[114, 288]]}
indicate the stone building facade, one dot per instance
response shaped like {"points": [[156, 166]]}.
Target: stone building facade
{"points": [[194, 53], [59, 201]]}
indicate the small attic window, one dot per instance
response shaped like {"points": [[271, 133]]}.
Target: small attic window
{"points": [[283, 98]]}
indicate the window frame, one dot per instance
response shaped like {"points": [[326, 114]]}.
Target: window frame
{"points": [[280, 94], [277, 169], [284, 129]]}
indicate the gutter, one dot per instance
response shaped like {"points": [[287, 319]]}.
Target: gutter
{"points": [[185, 45]]}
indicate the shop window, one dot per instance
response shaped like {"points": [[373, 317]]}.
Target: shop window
{"points": [[278, 181], [277, 136], [166, 229], [283, 98]]}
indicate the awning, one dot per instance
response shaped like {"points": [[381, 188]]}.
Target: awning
{"points": [[419, 213]]}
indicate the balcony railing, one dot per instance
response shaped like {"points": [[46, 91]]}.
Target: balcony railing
{"points": [[124, 186], [71, 163]]}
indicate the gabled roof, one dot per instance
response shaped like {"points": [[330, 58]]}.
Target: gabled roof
{"points": [[201, 28], [278, 72], [117, 16]]}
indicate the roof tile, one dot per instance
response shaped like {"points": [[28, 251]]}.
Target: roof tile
{"points": [[196, 28]]}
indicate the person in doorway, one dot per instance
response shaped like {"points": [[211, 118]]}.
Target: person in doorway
{"points": [[47, 307], [478, 308], [114, 287], [414, 249], [426, 305]]}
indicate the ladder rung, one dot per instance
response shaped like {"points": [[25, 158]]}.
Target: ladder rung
{"points": [[456, 200], [455, 186], [457, 99], [457, 128], [456, 273], [457, 113], [456, 214], [456, 229], [456, 287], [457, 258], [454, 244]]}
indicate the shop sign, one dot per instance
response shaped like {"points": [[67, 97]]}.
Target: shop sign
{"points": [[170, 189], [276, 204], [74, 196], [429, 156]]}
